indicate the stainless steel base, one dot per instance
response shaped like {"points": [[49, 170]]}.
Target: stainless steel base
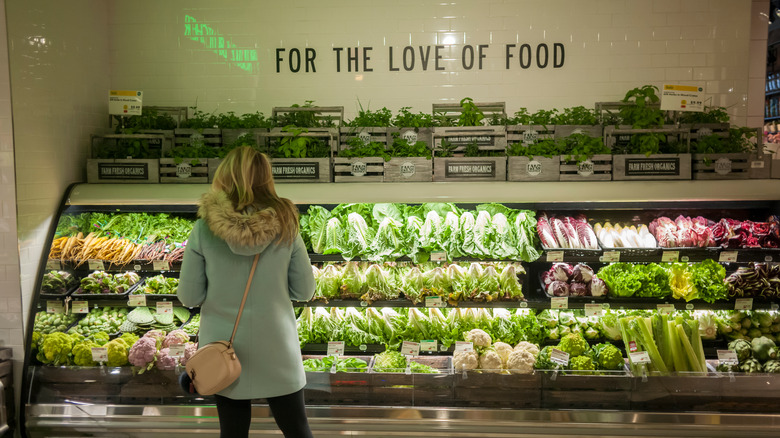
{"points": [[117, 421]]}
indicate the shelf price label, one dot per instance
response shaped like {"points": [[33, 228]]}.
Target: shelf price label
{"points": [[409, 348], [100, 354], [665, 309], [439, 256], [670, 256], [79, 307], [429, 345], [593, 309], [161, 265], [176, 350], [136, 300], [53, 265], [164, 307], [638, 357], [554, 256], [743, 304], [727, 257], [727, 357], [463, 346], [54, 307], [559, 302], [335, 348], [435, 301], [559, 357], [610, 256], [96, 265]]}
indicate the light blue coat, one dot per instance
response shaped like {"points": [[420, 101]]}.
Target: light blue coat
{"points": [[214, 273]]}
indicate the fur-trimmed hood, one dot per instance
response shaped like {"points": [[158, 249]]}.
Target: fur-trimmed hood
{"points": [[246, 232]]}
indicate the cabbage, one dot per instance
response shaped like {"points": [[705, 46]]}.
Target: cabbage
{"points": [[578, 289], [413, 285], [328, 282], [504, 245], [353, 283], [558, 289], [561, 271], [450, 235], [334, 237], [389, 241], [430, 233], [358, 238], [511, 289]]}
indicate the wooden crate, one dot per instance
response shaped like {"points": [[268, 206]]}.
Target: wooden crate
{"points": [[469, 168], [597, 168], [721, 166], [409, 169], [210, 136], [229, 136], [157, 141], [367, 135], [188, 170], [485, 137], [323, 114], [533, 169], [563, 131], [123, 171], [651, 167], [178, 113], [620, 135], [699, 130], [528, 134], [452, 111], [608, 112], [295, 170], [366, 169], [329, 135], [412, 135]]}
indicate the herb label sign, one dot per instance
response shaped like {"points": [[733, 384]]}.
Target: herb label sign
{"points": [[727, 357], [125, 102], [533, 168], [407, 169], [296, 171], [410, 135], [409, 348], [559, 357], [723, 166], [530, 137], [682, 98], [184, 170], [476, 169], [100, 354], [358, 168], [585, 168], [335, 348], [638, 357], [652, 166]]}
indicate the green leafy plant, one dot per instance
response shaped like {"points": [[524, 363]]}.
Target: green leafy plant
{"points": [[640, 112], [297, 146], [402, 148], [230, 120], [715, 114], [470, 115], [541, 117], [200, 120], [368, 118], [445, 149], [739, 140], [578, 115], [357, 148], [581, 147], [150, 118], [407, 119], [303, 119], [545, 148], [473, 150]]}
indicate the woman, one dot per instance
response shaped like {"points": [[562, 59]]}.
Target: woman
{"points": [[242, 216]]}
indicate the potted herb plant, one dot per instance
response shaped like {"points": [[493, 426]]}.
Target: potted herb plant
{"points": [[584, 158], [736, 154], [299, 154]]}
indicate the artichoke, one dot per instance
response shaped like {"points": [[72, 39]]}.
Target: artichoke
{"points": [[751, 366], [743, 349]]}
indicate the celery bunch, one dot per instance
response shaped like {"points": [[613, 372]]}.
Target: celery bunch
{"points": [[673, 343]]}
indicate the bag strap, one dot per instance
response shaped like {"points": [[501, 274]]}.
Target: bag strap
{"points": [[243, 300]]}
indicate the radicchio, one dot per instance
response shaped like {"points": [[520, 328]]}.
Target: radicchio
{"points": [[581, 273], [578, 289], [586, 235], [561, 271], [559, 232], [545, 233], [597, 287], [570, 228], [558, 289]]}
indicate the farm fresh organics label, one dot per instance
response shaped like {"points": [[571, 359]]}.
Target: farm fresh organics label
{"points": [[652, 166], [296, 171], [109, 171], [477, 169]]}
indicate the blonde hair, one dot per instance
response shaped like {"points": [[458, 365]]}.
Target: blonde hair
{"points": [[246, 178]]}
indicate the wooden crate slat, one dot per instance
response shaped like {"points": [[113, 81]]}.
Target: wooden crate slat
{"points": [[372, 167], [529, 134], [199, 173], [600, 169], [533, 169], [721, 166], [211, 136], [155, 140], [412, 135], [563, 131], [486, 137], [409, 169]]}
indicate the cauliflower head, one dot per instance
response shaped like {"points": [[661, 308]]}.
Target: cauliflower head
{"points": [[478, 337], [529, 347], [581, 363], [504, 350], [165, 361], [55, 348], [465, 360], [607, 357], [157, 335], [117, 352], [574, 344], [490, 361], [100, 338], [521, 362], [143, 353], [177, 336], [189, 349], [82, 354]]}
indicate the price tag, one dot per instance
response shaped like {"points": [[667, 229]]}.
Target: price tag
{"points": [[439, 256], [559, 302], [176, 350], [429, 345], [137, 267], [665, 309], [593, 309], [743, 304], [53, 265], [125, 102], [161, 265], [684, 259], [610, 256], [559, 357], [164, 307], [54, 307], [757, 164], [728, 357], [631, 346], [79, 307], [96, 265], [434, 302], [554, 256], [410, 348], [100, 354], [670, 256], [639, 357], [136, 300], [727, 257], [463, 346], [335, 348]]}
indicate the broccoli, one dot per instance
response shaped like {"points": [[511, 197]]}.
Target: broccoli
{"points": [[117, 352], [607, 357], [574, 344], [55, 349], [581, 363], [82, 354], [100, 338]]}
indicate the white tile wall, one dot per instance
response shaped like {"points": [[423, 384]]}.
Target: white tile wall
{"points": [[611, 46]]}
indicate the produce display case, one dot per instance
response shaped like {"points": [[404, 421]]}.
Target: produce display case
{"points": [[111, 401]]}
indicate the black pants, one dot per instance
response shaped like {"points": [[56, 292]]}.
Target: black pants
{"points": [[288, 410]]}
